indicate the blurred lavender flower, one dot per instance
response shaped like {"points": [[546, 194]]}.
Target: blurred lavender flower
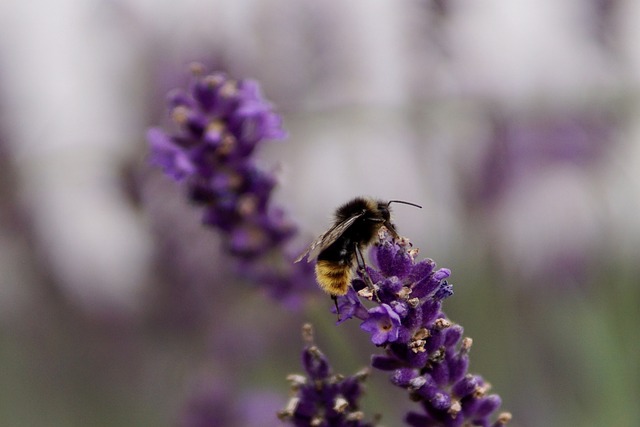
{"points": [[519, 148], [218, 123], [425, 351], [531, 163], [322, 398], [213, 404], [208, 406]]}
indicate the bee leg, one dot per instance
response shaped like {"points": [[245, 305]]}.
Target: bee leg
{"points": [[363, 272], [335, 301]]}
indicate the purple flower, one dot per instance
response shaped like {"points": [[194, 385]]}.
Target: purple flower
{"points": [[170, 157], [425, 352], [217, 125], [350, 306], [383, 324], [322, 398]]}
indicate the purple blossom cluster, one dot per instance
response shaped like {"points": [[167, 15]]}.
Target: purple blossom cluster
{"points": [[217, 125], [321, 398], [424, 351]]}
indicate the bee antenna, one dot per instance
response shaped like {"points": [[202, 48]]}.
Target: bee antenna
{"points": [[404, 203]]}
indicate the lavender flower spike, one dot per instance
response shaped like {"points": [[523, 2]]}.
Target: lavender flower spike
{"points": [[425, 352], [322, 398], [217, 125]]}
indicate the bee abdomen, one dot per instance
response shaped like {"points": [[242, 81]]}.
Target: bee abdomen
{"points": [[333, 278]]}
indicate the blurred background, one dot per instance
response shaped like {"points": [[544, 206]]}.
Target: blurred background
{"points": [[515, 125]]}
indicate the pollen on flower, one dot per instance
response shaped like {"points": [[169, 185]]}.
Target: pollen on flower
{"points": [[362, 374], [196, 68], [481, 390], [455, 408], [403, 241], [404, 292], [307, 333], [228, 144], [366, 293], [442, 323], [290, 409], [413, 252], [296, 380], [215, 125], [417, 346], [247, 204], [336, 378], [213, 80], [340, 404], [315, 351], [229, 88], [417, 383], [234, 180], [421, 334], [504, 418], [466, 344], [180, 115], [355, 416], [438, 355], [419, 340]]}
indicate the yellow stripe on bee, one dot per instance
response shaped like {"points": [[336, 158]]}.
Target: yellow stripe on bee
{"points": [[333, 278]]}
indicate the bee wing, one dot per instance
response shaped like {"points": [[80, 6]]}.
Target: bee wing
{"points": [[327, 238]]}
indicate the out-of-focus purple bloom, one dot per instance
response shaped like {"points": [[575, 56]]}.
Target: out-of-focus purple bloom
{"points": [[426, 353], [535, 173], [208, 406], [170, 157], [213, 404], [321, 397], [217, 124], [521, 147]]}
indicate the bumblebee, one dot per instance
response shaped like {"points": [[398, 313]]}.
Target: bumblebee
{"points": [[355, 227]]}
